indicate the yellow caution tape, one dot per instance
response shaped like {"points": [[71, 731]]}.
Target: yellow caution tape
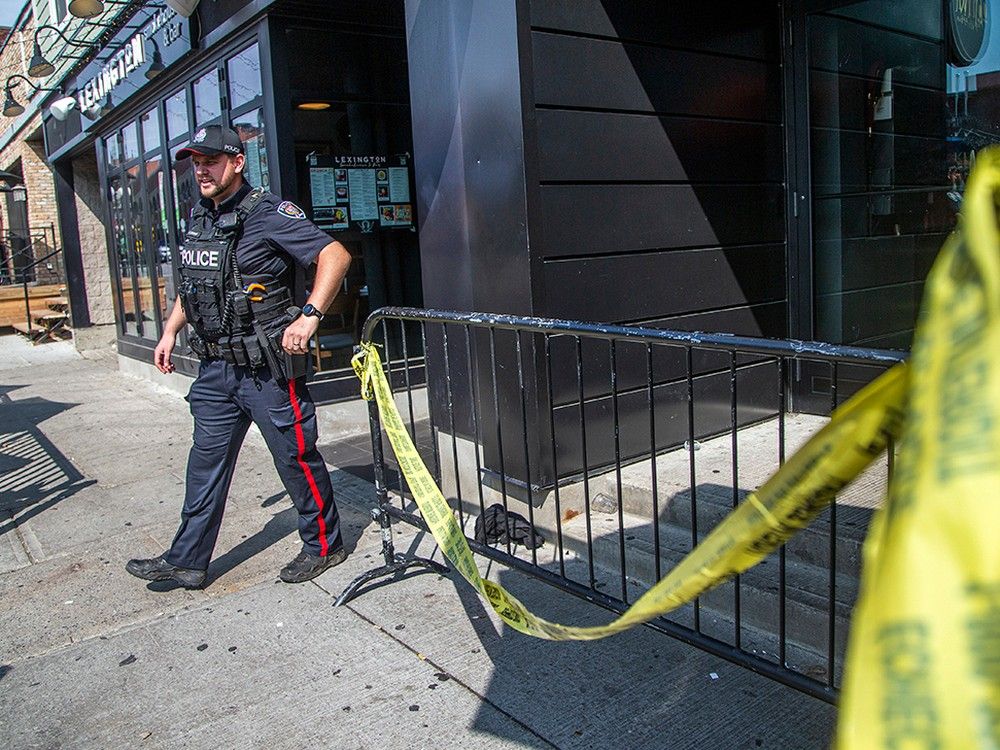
{"points": [[923, 667], [856, 433]]}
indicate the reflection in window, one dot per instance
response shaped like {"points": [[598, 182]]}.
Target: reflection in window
{"points": [[903, 94], [207, 104], [119, 243], [973, 90], [250, 127], [185, 196], [244, 77], [158, 233], [150, 131], [130, 142], [177, 115], [112, 150], [140, 249], [878, 153]]}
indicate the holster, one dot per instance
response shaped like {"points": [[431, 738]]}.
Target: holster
{"points": [[198, 345]]}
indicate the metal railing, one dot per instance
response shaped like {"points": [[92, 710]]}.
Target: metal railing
{"points": [[22, 250], [583, 428], [19, 251]]}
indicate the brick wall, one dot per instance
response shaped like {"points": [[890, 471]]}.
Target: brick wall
{"points": [[93, 243], [43, 215], [26, 156]]}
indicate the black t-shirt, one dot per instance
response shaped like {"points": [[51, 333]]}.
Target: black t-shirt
{"points": [[275, 235]]}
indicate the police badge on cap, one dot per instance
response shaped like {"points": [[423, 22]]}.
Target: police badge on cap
{"points": [[212, 140]]}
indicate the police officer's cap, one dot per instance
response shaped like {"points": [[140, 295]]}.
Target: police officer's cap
{"points": [[212, 140]]}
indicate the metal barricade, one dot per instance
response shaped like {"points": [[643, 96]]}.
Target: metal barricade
{"points": [[622, 447]]}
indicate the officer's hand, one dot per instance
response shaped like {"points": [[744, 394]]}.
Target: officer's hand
{"points": [[161, 355], [298, 333]]}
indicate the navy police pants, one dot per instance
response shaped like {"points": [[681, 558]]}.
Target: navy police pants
{"points": [[224, 400]]}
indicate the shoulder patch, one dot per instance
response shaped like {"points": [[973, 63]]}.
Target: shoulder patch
{"points": [[289, 209]]}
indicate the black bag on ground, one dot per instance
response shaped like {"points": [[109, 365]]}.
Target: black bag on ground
{"points": [[499, 525]]}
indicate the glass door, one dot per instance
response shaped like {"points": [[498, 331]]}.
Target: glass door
{"points": [[877, 164]]}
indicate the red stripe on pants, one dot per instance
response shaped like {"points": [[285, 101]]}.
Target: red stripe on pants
{"points": [[300, 438]]}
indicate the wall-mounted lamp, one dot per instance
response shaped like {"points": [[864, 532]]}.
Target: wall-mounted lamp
{"points": [[8, 181], [11, 107], [156, 66], [91, 8], [39, 67]]}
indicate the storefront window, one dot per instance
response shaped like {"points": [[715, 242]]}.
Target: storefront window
{"points": [[150, 131], [250, 126], [177, 115], [130, 142], [903, 94], [207, 103], [150, 199], [134, 194], [120, 246], [113, 150], [185, 196], [881, 145], [158, 234], [973, 88], [244, 77], [364, 112]]}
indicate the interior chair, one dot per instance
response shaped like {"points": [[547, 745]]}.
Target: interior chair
{"points": [[339, 329]]}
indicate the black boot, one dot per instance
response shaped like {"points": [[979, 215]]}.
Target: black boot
{"points": [[305, 566], [158, 569]]}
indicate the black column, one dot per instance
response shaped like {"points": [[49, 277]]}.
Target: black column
{"points": [[278, 134], [70, 232], [472, 113], [468, 141]]}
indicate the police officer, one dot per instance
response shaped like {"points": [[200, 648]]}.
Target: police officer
{"points": [[237, 270]]}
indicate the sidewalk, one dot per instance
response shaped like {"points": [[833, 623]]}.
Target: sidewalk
{"points": [[91, 474]]}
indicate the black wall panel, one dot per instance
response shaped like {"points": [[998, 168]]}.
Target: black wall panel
{"points": [[669, 363], [602, 219], [744, 29], [674, 283], [600, 74], [610, 147], [659, 197], [756, 395]]}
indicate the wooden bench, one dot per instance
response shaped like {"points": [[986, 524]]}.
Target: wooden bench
{"points": [[39, 297]]}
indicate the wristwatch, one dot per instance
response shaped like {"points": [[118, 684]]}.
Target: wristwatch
{"points": [[309, 309]]}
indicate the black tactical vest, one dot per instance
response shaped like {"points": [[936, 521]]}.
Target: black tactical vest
{"points": [[240, 319]]}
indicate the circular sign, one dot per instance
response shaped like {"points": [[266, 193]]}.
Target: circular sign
{"points": [[969, 24]]}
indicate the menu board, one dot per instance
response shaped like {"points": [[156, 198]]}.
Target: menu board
{"points": [[361, 192]]}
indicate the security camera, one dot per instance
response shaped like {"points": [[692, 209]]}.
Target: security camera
{"points": [[183, 7], [61, 108]]}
